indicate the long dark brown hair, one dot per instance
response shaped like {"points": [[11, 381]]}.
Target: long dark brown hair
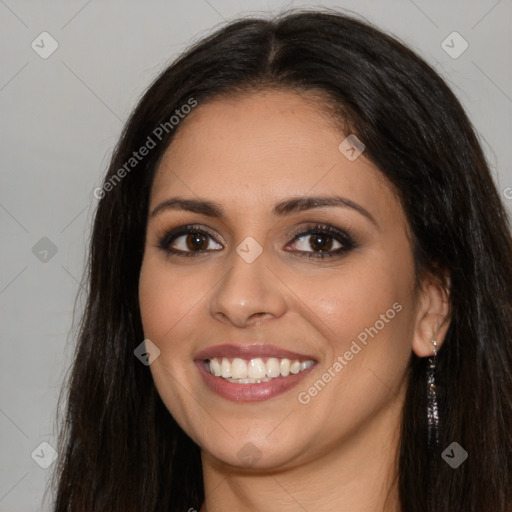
{"points": [[120, 448]]}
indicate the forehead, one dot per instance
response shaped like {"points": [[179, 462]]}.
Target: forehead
{"points": [[252, 150]]}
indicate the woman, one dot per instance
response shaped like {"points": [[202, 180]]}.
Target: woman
{"points": [[299, 289]]}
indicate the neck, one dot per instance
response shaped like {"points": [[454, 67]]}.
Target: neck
{"points": [[358, 474]]}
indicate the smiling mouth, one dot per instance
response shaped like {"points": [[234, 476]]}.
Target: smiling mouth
{"points": [[255, 371]]}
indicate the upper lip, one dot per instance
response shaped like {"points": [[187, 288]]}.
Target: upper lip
{"points": [[250, 352]]}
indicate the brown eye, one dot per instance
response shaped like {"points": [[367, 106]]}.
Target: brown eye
{"points": [[196, 241], [318, 242], [322, 241], [188, 241]]}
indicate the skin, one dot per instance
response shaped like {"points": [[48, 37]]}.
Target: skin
{"points": [[337, 452]]}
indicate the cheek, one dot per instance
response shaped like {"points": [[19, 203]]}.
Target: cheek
{"points": [[366, 314], [166, 299], [167, 305], [366, 298]]}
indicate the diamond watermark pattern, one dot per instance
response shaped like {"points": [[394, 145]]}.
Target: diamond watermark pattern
{"points": [[351, 147], [44, 455], [147, 352], [249, 454], [44, 250], [454, 45], [44, 45], [454, 455], [249, 249]]}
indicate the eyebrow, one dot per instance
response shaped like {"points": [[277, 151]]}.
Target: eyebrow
{"points": [[291, 205]]}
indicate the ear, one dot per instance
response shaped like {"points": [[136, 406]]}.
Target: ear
{"points": [[432, 315]]}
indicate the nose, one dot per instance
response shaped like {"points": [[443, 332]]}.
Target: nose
{"points": [[248, 294]]}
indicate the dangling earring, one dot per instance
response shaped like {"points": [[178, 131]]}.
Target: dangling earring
{"points": [[432, 409]]}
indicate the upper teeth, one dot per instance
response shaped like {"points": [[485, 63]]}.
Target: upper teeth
{"points": [[255, 369]]}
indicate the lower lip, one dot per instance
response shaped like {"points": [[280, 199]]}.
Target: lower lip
{"points": [[250, 392]]}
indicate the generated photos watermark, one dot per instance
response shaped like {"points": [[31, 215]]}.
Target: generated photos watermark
{"points": [[351, 147], [454, 455], [151, 142], [304, 397], [147, 352]]}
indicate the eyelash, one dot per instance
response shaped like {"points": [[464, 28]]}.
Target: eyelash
{"points": [[340, 236]]}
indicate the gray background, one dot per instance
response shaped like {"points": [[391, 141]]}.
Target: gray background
{"points": [[61, 117]]}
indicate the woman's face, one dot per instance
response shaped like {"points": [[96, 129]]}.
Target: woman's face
{"points": [[247, 300]]}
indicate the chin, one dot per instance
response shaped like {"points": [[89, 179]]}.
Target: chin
{"points": [[255, 450]]}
